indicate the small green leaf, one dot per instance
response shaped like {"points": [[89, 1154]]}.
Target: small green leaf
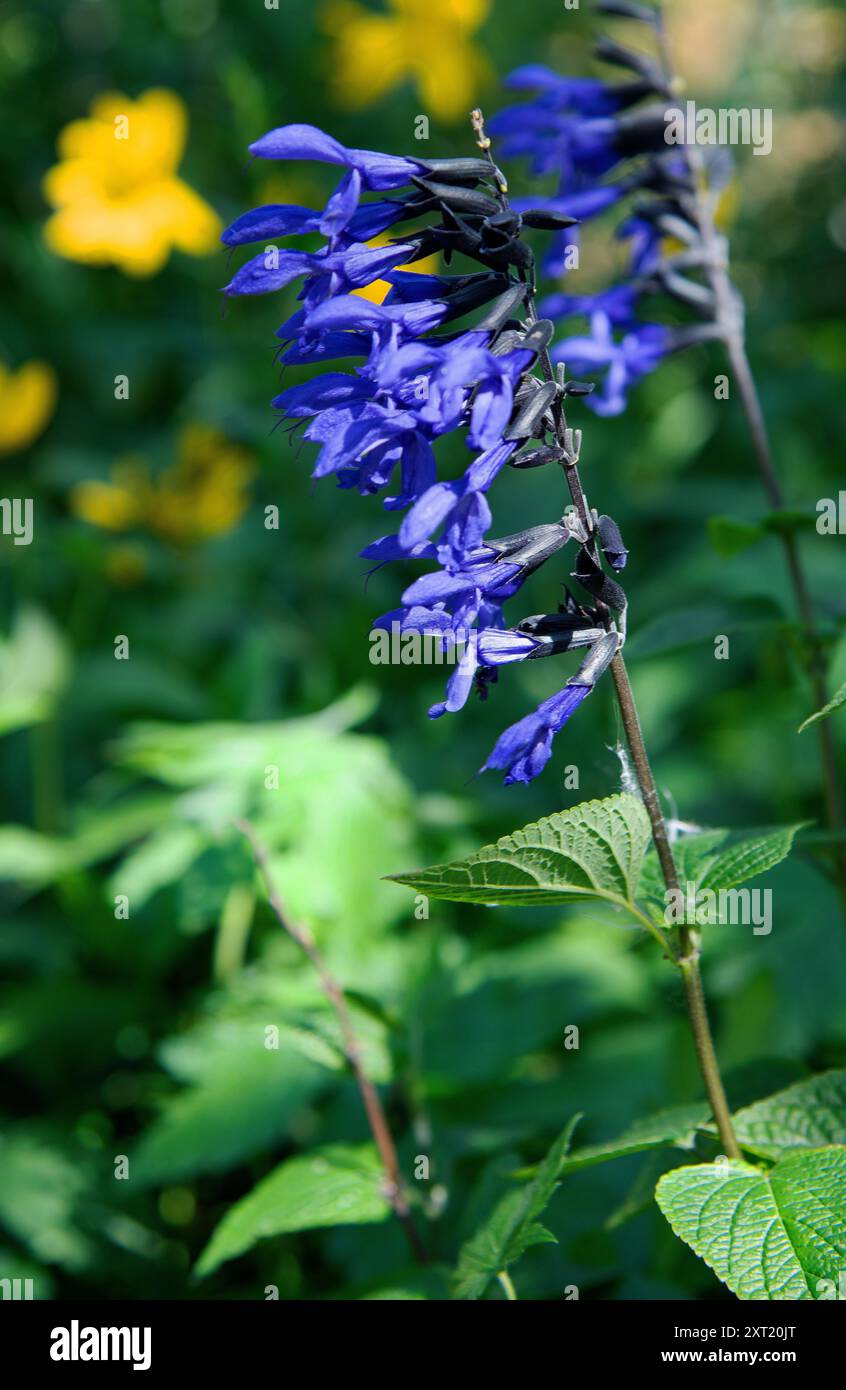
{"points": [[512, 1228], [748, 858], [834, 703], [807, 1115], [34, 669], [706, 862], [339, 1185], [675, 1126], [594, 850], [729, 536], [766, 1234]]}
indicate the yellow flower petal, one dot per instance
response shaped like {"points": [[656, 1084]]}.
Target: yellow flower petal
{"points": [[371, 56], [111, 508], [205, 493], [451, 82], [194, 226], [27, 400], [468, 15], [378, 291], [428, 40], [117, 197]]}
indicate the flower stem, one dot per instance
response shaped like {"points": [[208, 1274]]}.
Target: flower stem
{"points": [[708, 1064], [687, 959], [376, 1118], [833, 789], [505, 1280], [730, 322]]}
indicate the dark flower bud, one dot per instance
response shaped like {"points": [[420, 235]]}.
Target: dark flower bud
{"points": [[548, 221], [503, 308], [457, 171], [627, 10], [529, 418], [668, 176], [509, 338], [560, 632], [475, 291], [539, 336], [505, 223], [597, 660], [593, 578], [533, 547], [611, 541], [646, 67], [638, 132], [535, 458], [462, 200]]}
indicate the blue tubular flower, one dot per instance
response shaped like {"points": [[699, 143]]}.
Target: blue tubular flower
{"points": [[401, 382], [618, 304], [582, 130], [339, 271], [460, 508], [526, 747], [491, 648], [377, 171], [636, 354]]}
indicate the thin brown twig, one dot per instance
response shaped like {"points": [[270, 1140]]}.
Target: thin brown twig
{"points": [[376, 1118]]}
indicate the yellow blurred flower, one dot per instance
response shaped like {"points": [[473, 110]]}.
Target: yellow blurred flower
{"points": [[203, 494], [429, 41], [378, 291], [27, 400], [118, 199]]}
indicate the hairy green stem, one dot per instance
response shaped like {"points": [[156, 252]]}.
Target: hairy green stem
{"points": [[687, 960]]}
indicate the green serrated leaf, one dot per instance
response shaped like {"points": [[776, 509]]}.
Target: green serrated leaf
{"points": [[339, 1185], [749, 858], [693, 855], [675, 1126], [834, 703], [807, 1115], [768, 1235], [512, 1228], [594, 850]]}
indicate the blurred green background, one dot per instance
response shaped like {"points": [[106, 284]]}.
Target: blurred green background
{"points": [[248, 649]]}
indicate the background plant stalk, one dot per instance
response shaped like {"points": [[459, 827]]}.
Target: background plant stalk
{"points": [[729, 318], [376, 1117]]}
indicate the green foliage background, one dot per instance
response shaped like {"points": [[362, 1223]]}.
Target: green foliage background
{"points": [[146, 1037]]}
